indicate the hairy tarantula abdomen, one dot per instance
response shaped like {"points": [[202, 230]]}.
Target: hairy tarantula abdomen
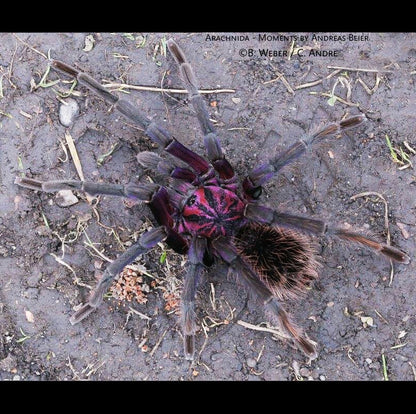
{"points": [[284, 259]]}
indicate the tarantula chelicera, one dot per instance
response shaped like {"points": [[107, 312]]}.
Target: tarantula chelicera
{"points": [[207, 212]]}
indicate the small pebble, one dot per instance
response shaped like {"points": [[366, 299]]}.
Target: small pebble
{"points": [[16, 378], [305, 372], [322, 377], [251, 362], [68, 111], [65, 198]]}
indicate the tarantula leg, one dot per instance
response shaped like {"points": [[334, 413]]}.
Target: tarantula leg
{"points": [[194, 160], [260, 175], [157, 164], [253, 284], [145, 243], [161, 207], [125, 107], [197, 250], [154, 131], [211, 141], [143, 192], [264, 214]]}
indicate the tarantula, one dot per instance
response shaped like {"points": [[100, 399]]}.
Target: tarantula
{"points": [[205, 211]]}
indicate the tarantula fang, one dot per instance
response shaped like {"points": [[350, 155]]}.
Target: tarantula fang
{"points": [[206, 212]]}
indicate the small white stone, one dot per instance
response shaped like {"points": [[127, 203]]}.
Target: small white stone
{"points": [[68, 111], [251, 362], [65, 198]]}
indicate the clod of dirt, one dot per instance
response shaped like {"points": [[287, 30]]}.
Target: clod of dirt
{"points": [[68, 111], [66, 198], [8, 363]]}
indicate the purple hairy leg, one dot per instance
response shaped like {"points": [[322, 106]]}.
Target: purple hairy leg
{"points": [[146, 242], [267, 215], [159, 165], [211, 141], [142, 192], [154, 131], [263, 173], [197, 249], [162, 211], [156, 197], [252, 282]]}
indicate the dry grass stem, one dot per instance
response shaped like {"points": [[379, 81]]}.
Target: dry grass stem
{"points": [[284, 81], [29, 46], [141, 315], [77, 280], [158, 343], [317, 82], [413, 370], [93, 368], [71, 367], [374, 88], [412, 150], [329, 95], [90, 244], [273, 331], [360, 69], [381, 316], [122, 86], [77, 162], [386, 222], [74, 154]]}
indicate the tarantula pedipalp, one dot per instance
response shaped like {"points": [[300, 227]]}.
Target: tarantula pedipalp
{"points": [[205, 211]]}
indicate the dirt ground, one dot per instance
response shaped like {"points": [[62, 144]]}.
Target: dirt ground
{"points": [[361, 312]]}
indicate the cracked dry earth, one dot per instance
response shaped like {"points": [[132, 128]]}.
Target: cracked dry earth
{"points": [[360, 312]]}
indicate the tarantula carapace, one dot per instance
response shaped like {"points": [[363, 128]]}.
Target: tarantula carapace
{"points": [[208, 213]]}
